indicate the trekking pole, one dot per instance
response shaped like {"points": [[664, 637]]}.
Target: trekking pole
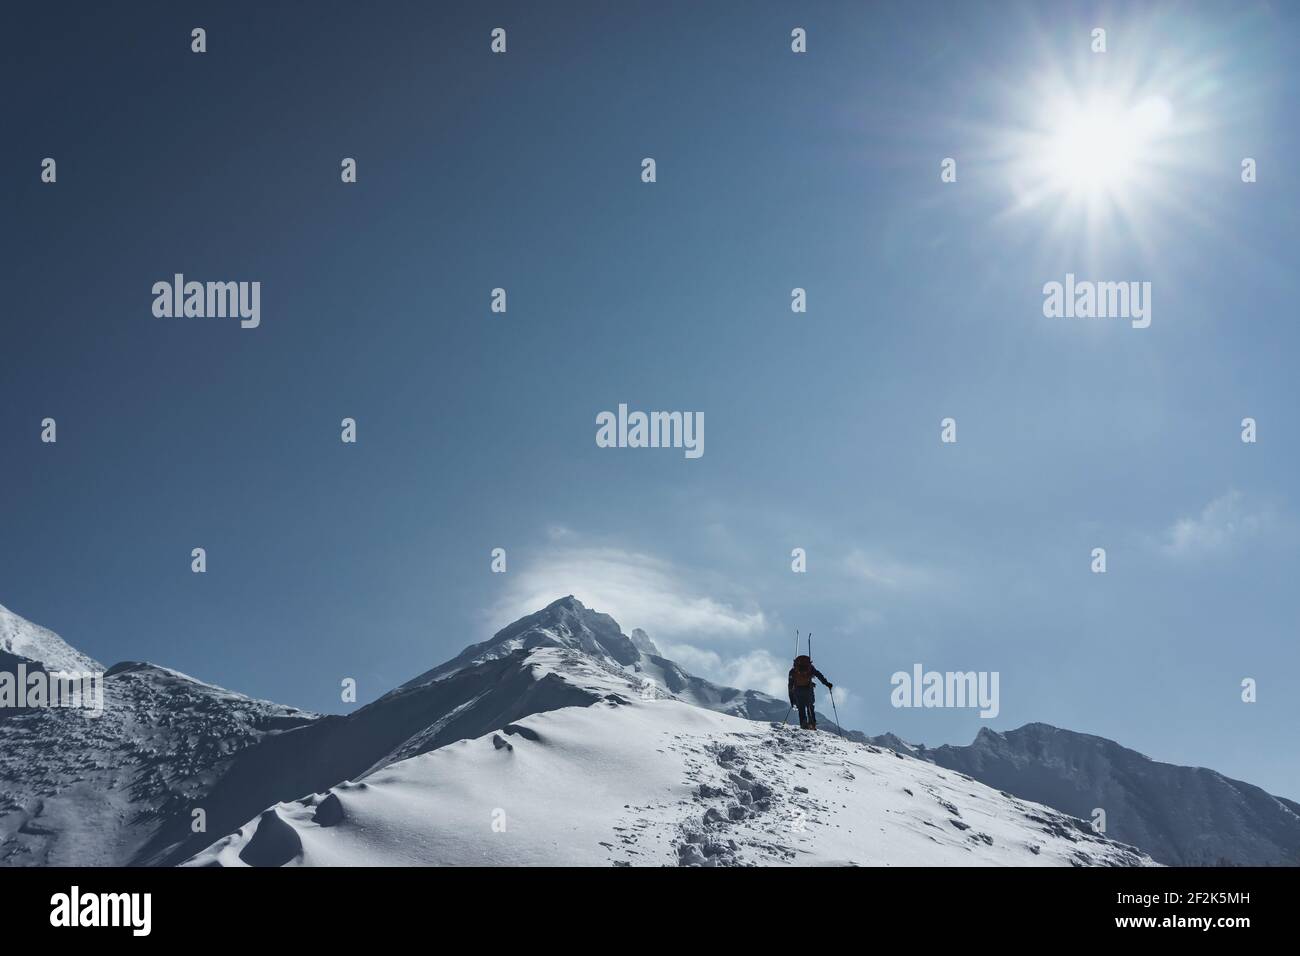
{"points": [[836, 711], [786, 718]]}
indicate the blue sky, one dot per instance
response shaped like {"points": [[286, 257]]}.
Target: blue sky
{"points": [[476, 431]]}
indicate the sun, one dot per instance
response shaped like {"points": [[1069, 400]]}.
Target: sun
{"points": [[1084, 156], [1098, 160], [1089, 154], [1102, 147]]}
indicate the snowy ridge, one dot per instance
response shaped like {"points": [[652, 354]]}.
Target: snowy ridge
{"points": [[621, 777], [660, 782], [409, 721], [22, 638]]}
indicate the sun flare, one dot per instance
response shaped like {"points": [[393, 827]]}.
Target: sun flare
{"points": [[1103, 146], [1092, 152]]}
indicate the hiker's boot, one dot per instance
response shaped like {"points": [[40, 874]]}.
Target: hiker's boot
{"points": [[812, 725]]}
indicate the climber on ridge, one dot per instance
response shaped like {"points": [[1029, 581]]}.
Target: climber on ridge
{"points": [[803, 690]]}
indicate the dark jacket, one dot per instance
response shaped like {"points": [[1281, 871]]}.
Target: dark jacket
{"points": [[816, 673]]}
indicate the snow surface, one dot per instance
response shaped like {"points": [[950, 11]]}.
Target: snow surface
{"points": [[22, 638], [661, 782]]}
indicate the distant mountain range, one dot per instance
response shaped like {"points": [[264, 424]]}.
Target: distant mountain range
{"points": [[1182, 816]]}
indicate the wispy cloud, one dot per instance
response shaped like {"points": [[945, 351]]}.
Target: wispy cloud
{"points": [[638, 590], [755, 670], [858, 620], [885, 572], [1224, 522]]}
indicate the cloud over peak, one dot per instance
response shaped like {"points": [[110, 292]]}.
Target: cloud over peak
{"points": [[636, 589]]}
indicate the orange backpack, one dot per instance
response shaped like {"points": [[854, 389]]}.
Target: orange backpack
{"points": [[803, 671]]}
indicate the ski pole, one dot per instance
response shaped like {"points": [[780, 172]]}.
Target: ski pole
{"points": [[786, 718], [836, 711]]}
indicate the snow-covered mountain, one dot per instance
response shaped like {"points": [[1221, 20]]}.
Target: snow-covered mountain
{"points": [[22, 638], [1182, 816], [79, 790], [559, 657], [561, 739], [625, 781], [568, 623], [122, 789]]}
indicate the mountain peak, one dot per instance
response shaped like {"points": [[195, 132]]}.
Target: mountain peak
{"points": [[641, 640], [567, 608], [565, 622], [22, 638]]}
